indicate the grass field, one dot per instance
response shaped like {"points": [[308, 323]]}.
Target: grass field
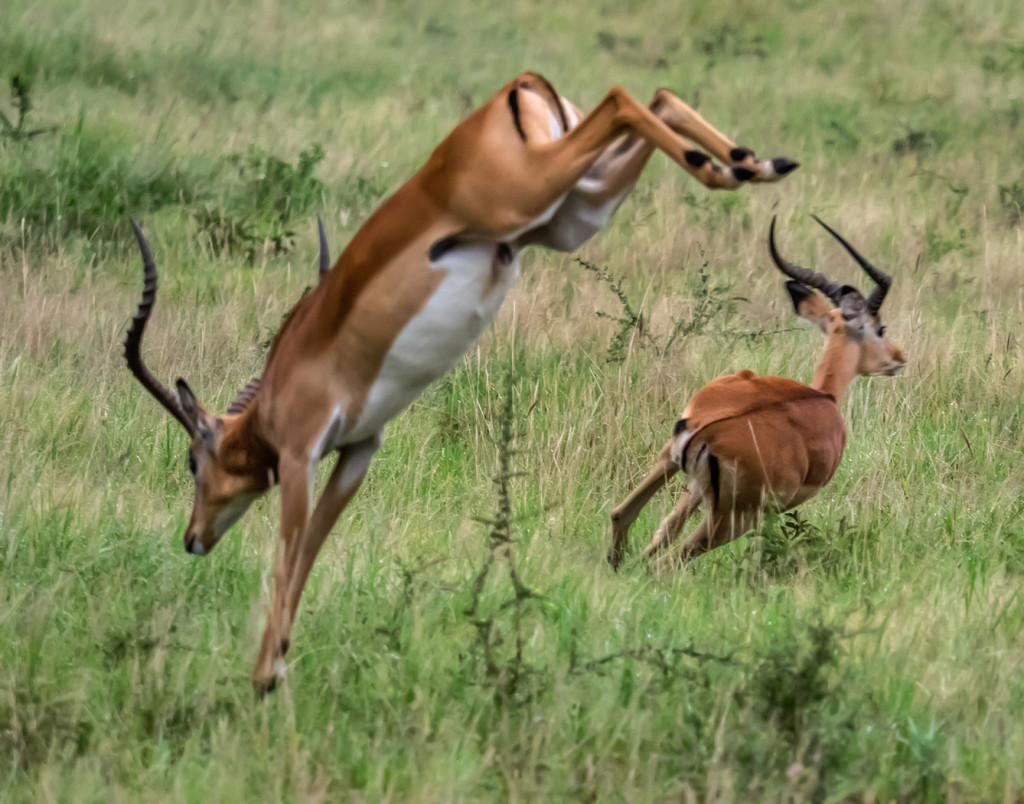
{"points": [[866, 648]]}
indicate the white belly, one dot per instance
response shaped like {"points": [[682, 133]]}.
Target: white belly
{"points": [[464, 303]]}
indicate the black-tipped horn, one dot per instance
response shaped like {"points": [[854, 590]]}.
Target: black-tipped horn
{"points": [[881, 279], [325, 257], [133, 339], [804, 275]]}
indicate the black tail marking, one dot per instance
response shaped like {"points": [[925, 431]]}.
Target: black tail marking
{"points": [[713, 470], [513, 105], [557, 100], [686, 449]]}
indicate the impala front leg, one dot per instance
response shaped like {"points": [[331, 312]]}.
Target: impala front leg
{"points": [[295, 494], [628, 510], [344, 482]]}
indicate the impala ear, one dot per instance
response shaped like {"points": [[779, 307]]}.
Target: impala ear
{"points": [[852, 303], [188, 401], [196, 414], [808, 305]]}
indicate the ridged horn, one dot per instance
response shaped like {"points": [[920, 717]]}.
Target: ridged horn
{"points": [[881, 279], [805, 275], [245, 396], [133, 339], [325, 257]]}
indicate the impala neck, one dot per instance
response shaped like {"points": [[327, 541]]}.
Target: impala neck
{"points": [[838, 366]]}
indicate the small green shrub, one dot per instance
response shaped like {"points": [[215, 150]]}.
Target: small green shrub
{"points": [[1011, 196], [86, 181], [21, 87], [710, 301], [266, 196]]}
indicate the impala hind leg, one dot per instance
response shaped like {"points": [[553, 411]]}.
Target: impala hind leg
{"points": [[714, 531], [687, 122], [602, 189], [563, 162], [626, 512], [549, 169], [668, 531]]}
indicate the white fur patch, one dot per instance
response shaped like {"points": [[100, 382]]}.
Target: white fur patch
{"points": [[678, 445], [228, 517], [540, 220], [555, 126], [570, 113], [358, 462], [329, 438], [473, 289]]}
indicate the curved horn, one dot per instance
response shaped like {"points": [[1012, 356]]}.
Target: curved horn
{"points": [[134, 339], [881, 279], [804, 275], [325, 258]]}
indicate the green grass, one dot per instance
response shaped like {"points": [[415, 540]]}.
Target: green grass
{"points": [[866, 648]]}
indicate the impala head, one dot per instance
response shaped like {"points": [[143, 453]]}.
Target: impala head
{"points": [[846, 315], [229, 469]]}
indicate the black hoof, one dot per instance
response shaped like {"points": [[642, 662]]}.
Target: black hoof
{"points": [[739, 154], [265, 687], [782, 166], [743, 174], [696, 158]]}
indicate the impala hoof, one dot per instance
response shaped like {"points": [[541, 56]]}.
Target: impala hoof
{"points": [[696, 159], [782, 166], [267, 684]]}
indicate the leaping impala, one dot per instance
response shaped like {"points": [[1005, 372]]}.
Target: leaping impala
{"points": [[414, 288], [747, 443]]}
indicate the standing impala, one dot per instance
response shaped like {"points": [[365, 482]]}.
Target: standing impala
{"points": [[747, 443], [414, 288]]}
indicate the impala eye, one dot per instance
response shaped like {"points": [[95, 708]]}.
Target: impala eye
{"points": [[881, 332], [192, 463]]}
